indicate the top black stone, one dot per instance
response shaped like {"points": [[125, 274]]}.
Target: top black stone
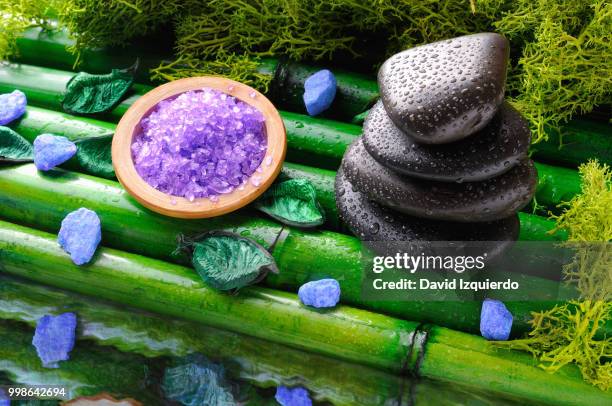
{"points": [[447, 90]]}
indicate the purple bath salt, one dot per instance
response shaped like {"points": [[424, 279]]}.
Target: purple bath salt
{"points": [[202, 143], [292, 396], [54, 338], [321, 293]]}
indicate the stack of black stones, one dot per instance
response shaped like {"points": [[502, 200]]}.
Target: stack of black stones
{"points": [[442, 157]]}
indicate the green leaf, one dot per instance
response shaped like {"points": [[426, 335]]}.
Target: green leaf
{"points": [[293, 202], [90, 94], [14, 148], [227, 261], [94, 155]]}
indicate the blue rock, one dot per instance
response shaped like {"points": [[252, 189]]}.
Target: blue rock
{"points": [[80, 235], [321, 293], [52, 150], [292, 396], [12, 106], [495, 320], [319, 91], [4, 399], [54, 338], [196, 381]]}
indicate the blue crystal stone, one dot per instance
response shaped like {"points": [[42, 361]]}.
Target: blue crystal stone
{"points": [[321, 293], [292, 396], [4, 399], [319, 91], [52, 150], [12, 106], [54, 338], [495, 320], [80, 235]]}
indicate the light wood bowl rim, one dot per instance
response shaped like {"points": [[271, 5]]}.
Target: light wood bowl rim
{"points": [[161, 202]]}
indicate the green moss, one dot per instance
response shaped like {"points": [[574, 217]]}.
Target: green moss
{"points": [[241, 68], [424, 21], [562, 67], [18, 15], [211, 34], [560, 48], [566, 334], [99, 23], [298, 28], [588, 220], [587, 217]]}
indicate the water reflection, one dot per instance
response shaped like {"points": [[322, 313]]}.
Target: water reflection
{"points": [[124, 352]]}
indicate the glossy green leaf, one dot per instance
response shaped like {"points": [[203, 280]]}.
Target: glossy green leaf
{"points": [[227, 261], [293, 202], [90, 94], [94, 155], [14, 148]]}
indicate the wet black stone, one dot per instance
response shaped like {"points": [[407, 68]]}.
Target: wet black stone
{"points": [[447, 90], [488, 200], [495, 149], [370, 221]]}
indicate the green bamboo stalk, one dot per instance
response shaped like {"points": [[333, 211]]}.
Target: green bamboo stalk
{"points": [[345, 333], [256, 361], [41, 200], [555, 186], [537, 228], [576, 143], [310, 140], [45, 88], [90, 370], [464, 359], [355, 92], [38, 46]]}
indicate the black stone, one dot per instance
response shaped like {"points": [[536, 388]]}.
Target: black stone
{"points": [[488, 200], [495, 149], [447, 90], [370, 221]]}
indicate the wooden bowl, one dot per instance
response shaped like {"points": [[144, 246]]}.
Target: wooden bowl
{"points": [[176, 206]]}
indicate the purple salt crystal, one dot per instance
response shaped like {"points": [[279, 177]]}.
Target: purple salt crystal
{"points": [[202, 143], [80, 235], [52, 150], [54, 338], [292, 396], [321, 293], [319, 91], [12, 106], [495, 320]]}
